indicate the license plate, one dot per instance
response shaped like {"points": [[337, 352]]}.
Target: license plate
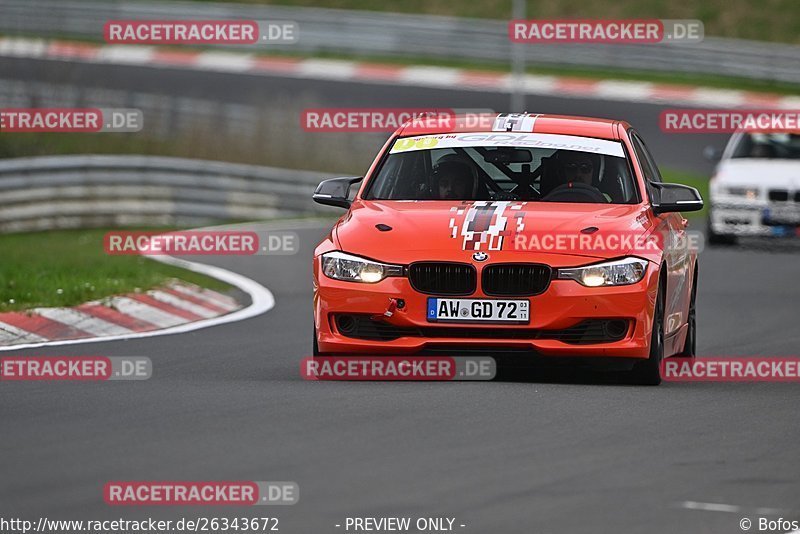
{"points": [[785, 231], [781, 216], [478, 310]]}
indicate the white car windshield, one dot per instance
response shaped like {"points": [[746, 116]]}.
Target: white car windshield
{"points": [[770, 146]]}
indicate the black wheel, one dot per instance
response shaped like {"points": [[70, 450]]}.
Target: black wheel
{"points": [[718, 239], [648, 372], [690, 346]]}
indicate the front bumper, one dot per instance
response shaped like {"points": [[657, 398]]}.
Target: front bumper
{"points": [[562, 306], [755, 218]]}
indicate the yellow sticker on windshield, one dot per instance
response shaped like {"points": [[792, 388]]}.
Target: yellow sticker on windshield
{"points": [[414, 143]]}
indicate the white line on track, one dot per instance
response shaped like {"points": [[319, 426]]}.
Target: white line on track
{"points": [[327, 69], [710, 506], [225, 61], [747, 512], [430, 75], [731, 508], [125, 54]]}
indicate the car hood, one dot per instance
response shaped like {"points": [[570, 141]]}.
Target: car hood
{"points": [[432, 230], [759, 172]]}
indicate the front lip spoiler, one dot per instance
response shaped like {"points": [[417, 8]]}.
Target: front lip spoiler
{"points": [[535, 360], [594, 331]]}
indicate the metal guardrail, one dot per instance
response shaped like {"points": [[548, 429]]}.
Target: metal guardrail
{"points": [[93, 191], [420, 36]]}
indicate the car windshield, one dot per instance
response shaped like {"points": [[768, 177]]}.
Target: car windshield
{"points": [[771, 146], [505, 166]]}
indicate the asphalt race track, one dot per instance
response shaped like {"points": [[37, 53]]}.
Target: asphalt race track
{"points": [[587, 455]]}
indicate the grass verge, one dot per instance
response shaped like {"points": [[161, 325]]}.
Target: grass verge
{"points": [[68, 267]]}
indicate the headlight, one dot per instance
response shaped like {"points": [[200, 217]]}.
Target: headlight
{"points": [[613, 273], [341, 266], [747, 192]]}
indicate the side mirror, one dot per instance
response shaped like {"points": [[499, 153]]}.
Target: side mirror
{"points": [[712, 153], [335, 191], [670, 198]]}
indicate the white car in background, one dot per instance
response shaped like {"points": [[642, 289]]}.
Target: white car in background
{"points": [[755, 190]]}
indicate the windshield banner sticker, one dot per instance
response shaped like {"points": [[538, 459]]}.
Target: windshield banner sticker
{"points": [[513, 139]]}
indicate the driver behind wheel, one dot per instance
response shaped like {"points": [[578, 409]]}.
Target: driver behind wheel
{"points": [[579, 167], [454, 180]]}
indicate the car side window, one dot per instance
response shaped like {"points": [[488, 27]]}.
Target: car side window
{"points": [[649, 167]]}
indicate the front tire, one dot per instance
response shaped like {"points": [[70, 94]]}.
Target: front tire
{"points": [[648, 372]]}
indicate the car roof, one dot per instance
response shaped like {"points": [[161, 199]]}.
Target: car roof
{"points": [[446, 122]]}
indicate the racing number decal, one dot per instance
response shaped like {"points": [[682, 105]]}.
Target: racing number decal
{"points": [[514, 122], [486, 223]]}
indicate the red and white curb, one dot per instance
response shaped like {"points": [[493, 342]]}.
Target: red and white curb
{"points": [[175, 308], [417, 76]]}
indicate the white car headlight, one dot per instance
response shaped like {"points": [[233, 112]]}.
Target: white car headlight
{"points": [[613, 273], [747, 192], [341, 266]]}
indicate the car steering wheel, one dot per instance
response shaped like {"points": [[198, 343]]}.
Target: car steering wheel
{"points": [[575, 191]]}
